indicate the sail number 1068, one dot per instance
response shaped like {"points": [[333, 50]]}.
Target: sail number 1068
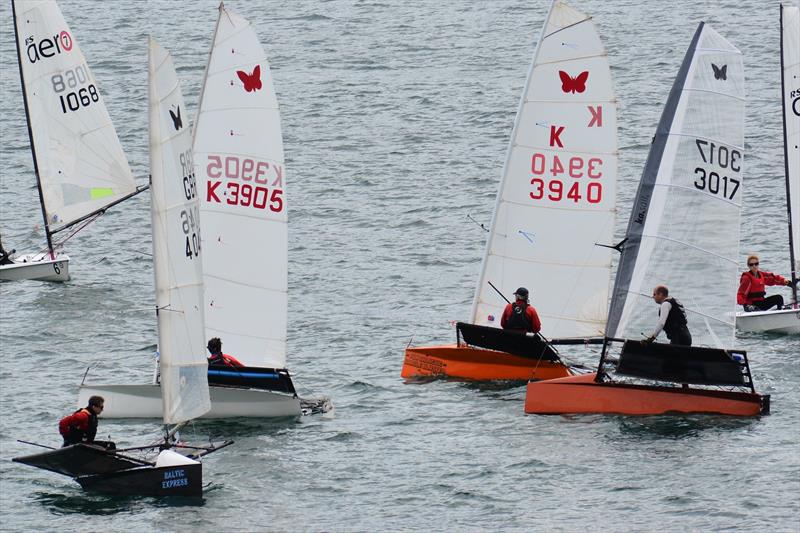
{"points": [[551, 179]]}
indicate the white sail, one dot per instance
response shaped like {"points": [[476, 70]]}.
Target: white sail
{"points": [[81, 165], [557, 196], [176, 246], [790, 60], [684, 226], [239, 162]]}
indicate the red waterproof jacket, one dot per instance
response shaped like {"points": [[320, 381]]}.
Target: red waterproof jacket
{"points": [[224, 359], [753, 288], [81, 426]]}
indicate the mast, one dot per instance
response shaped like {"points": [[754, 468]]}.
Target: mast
{"points": [[30, 133], [517, 119], [792, 258]]}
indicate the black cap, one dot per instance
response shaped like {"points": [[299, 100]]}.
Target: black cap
{"points": [[522, 291]]}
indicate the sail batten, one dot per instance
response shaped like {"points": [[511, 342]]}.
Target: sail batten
{"points": [[177, 253], [239, 159], [685, 217], [81, 167]]}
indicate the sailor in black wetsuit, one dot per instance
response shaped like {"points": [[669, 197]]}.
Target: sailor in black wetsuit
{"points": [[671, 318]]}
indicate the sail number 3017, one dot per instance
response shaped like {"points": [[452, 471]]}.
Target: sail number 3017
{"points": [[551, 181], [724, 158]]}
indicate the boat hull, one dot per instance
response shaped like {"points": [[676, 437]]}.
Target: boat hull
{"points": [[182, 480], [144, 401], [78, 460], [468, 363], [582, 395], [771, 321], [36, 267]]}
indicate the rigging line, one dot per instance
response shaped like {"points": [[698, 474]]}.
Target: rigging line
{"points": [[695, 189], [692, 246], [687, 309], [703, 137], [713, 334]]}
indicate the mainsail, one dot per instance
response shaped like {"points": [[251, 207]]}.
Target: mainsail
{"points": [[80, 165], [684, 226], [176, 246], [557, 196], [239, 160], [790, 78]]}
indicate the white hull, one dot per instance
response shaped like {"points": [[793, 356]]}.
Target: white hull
{"points": [[144, 401], [773, 321], [36, 266]]}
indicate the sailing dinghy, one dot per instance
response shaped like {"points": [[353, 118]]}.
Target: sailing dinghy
{"points": [[555, 203], [179, 296], [79, 164], [684, 233], [238, 156], [786, 320]]}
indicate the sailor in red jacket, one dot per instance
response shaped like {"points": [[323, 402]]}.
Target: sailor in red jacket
{"points": [[219, 358], [81, 426], [752, 287], [520, 315]]}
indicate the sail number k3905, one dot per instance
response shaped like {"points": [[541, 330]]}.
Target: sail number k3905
{"points": [[576, 179], [247, 182], [714, 181]]}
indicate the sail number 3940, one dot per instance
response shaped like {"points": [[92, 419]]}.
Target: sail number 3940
{"points": [[551, 179]]}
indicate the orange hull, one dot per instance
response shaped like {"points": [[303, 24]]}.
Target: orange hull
{"points": [[466, 362], [582, 395]]}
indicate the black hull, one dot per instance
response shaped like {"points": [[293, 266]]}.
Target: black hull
{"points": [[182, 480], [271, 379], [78, 460]]}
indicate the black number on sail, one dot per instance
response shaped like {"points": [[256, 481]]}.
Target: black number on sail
{"points": [[716, 184]]}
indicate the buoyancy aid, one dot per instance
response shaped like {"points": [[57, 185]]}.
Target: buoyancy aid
{"points": [[519, 318], [752, 288], [676, 319], [70, 426]]}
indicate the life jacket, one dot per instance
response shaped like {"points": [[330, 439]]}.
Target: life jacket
{"points": [[519, 318], [756, 289], [73, 434], [676, 320]]}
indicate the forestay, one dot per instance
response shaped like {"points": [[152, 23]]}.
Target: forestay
{"points": [[176, 246], [80, 162], [790, 61], [558, 191], [239, 161], [684, 227]]}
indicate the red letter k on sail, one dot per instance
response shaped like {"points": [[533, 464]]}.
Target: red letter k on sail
{"points": [[210, 188], [554, 136], [597, 116]]}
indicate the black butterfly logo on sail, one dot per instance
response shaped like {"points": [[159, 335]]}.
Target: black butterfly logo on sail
{"points": [[720, 73], [176, 118]]}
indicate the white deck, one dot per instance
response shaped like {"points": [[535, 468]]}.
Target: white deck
{"points": [[772, 321], [144, 401], [37, 267]]}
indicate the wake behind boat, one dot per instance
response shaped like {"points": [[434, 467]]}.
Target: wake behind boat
{"points": [[78, 161], [683, 232], [555, 204], [786, 320], [239, 161]]}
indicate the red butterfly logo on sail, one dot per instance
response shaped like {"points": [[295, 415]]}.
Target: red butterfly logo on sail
{"points": [[252, 82], [573, 85]]}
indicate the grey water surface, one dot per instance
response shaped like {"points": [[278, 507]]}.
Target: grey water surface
{"points": [[396, 118]]}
